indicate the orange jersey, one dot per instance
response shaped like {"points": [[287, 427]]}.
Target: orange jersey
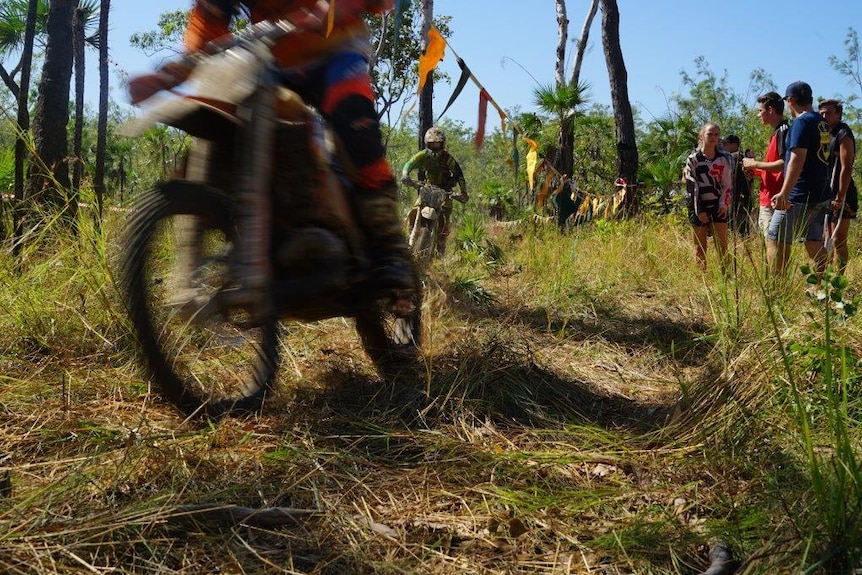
{"points": [[209, 19]]}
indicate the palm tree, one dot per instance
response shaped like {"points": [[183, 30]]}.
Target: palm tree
{"points": [[78, 132], [563, 101], [23, 104], [85, 15], [102, 131], [49, 173], [14, 18]]}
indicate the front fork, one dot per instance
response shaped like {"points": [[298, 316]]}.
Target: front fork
{"points": [[252, 190], [188, 231], [251, 266]]}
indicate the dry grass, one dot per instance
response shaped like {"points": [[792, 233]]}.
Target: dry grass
{"points": [[598, 407]]}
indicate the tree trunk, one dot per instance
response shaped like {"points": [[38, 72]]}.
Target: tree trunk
{"points": [[565, 160], [102, 129], [78, 135], [582, 43], [562, 39], [627, 151], [566, 163], [23, 116], [49, 171], [426, 97]]}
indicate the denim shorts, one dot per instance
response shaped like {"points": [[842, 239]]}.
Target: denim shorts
{"points": [[800, 221], [764, 218]]}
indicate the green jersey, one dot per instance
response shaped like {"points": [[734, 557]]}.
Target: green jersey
{"points": [[441, 170]]}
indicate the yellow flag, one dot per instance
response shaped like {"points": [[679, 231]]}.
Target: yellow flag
{"points": [[618, 200], [532, 160], [432, 55]]}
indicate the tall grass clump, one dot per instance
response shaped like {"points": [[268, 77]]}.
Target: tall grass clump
{"points": [[822, 384], [57, 292]]}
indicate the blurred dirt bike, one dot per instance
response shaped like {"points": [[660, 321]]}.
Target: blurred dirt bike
{"points": [[427, 221], [203, 352]]}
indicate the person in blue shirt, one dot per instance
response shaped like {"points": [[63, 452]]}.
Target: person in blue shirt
{"points": [[803, 201]]}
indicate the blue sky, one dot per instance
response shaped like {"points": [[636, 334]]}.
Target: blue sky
{"points": [[499, 39]]}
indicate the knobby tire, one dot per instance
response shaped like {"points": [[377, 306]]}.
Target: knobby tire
{"points": [[203, 368]]}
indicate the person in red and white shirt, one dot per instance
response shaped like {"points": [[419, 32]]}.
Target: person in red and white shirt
{"points": [[708, 178]]}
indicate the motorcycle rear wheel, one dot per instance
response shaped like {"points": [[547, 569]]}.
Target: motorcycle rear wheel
{"points": [[392, 342], [208, 367]]}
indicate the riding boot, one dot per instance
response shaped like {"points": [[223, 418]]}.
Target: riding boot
{"points": [[391, 262]]}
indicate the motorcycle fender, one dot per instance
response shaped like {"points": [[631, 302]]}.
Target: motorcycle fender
{"points": [[411, 218], [429, 213]]}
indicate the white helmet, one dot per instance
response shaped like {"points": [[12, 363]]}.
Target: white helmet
{"points": [[435, 134]]}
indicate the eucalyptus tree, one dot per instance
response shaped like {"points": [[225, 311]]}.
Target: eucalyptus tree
{"points": [[626, 142], [78, 34], [426, 96], [166, 39], [712, 98], [851, 64], [397, 47]]}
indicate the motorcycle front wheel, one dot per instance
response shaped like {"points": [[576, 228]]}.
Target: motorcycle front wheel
{"points": [[425, 245], [206, 363]]}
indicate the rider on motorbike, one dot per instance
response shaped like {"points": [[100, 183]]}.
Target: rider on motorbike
{"points": [[440, 169], [329, 69]]}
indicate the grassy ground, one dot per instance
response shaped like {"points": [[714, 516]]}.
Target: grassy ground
{"points": [[594, 405]]}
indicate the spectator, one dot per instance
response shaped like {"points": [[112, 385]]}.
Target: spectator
{"points": [[707, 176], [845, 198], [740, 212], [567, 201], [804, 198], [770, 171]]}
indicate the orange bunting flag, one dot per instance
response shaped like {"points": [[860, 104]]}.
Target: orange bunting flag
{"points": [[483, 113], [432, 55], [330, 18], [532, 160]]}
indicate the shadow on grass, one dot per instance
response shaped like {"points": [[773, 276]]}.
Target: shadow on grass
{"points": [[684, 340], [495, 380]]}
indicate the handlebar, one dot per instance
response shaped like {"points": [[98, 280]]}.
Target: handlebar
{"points": [[175, 72], [419, 184]]}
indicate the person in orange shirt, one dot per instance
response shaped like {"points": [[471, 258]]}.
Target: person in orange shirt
{"points": [[331, 72]]}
